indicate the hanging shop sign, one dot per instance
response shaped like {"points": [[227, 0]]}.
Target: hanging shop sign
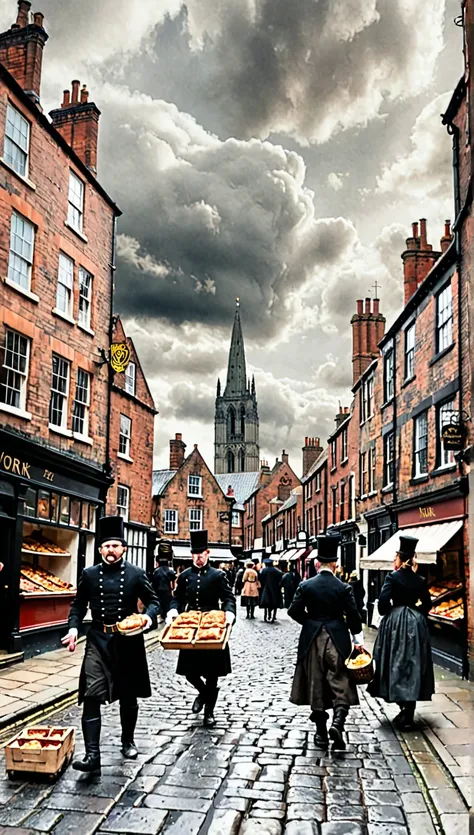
{"points": [[454, 436], [119, 356]]}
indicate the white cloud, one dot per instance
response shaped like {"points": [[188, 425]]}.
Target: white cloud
{"points": [[335, 181]]}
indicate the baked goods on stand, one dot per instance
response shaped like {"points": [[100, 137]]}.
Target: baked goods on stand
{"points": [[197, 631]]}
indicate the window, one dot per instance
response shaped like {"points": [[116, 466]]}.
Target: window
{"points": [[75, 209], [334, 505], [17, 140], [82, 401], [241, 461], [195, 486], [125, 435], [367, 402], [420, 452], [85, 297], [22, 241], [410, 352], [319, 513], [342, 514], [195, 519], [333, 455], [318, 482], [388, 377], [230, 461], [64, 292], [388, 459], [372, 470], [363, 474], [130, 378], [123, 501], [14, 372], [171, 521], [308, 490], [446, 412], [136, 546], [444, 318], [350, 497], [235, 519], [344, 444], [59, 392]]}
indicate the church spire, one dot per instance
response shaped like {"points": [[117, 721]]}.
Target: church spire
{"points": [[236, 370]]}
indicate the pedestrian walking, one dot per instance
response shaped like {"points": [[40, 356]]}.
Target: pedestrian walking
{"points": [[402, 652], [289, 583], [114, 666], [270, 598], [239, 579], [203, 588], [164, 577], [326, 609], [251, 585], [357, 587]]}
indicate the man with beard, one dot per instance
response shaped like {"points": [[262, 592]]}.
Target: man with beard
{"points": [[114, 665], [164, 577], [202, 588]]}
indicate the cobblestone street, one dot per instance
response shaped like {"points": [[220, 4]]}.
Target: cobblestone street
{"points": [[257, 772]]}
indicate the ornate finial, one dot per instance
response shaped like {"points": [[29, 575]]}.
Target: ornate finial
{"points": [[237, 302], [376, 287]]}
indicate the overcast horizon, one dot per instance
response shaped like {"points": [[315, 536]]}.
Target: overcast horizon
{"points": [[272, 151]]}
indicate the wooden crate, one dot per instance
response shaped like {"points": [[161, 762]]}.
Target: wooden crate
{"points": [[166, 643], [53, 755]]}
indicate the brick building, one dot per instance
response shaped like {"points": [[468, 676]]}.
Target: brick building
{"points": [[238, 486], [57, 232], [131, 451], [315, 496], [273, 490], [187, 497]]}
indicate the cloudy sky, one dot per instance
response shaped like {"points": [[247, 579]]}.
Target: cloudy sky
{"points": [[272, 150]]}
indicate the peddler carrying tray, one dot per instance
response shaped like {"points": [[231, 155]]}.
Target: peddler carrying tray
{"points": [[39, 750], [192, 630]]}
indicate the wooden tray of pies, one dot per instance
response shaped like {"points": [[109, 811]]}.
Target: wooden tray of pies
{"points": [[41, 750], [197, 631]]}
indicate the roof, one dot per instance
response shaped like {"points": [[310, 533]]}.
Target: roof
{"points": [[456, 99], [161, 479], [316, 465], [243, 484], [289, 503]]}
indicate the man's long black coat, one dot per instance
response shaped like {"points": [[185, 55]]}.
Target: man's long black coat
{"points": [[325, 601], [270, 581], [120, 660]]}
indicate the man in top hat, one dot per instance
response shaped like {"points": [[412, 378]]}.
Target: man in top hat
{"points": [[270, 598], [326, 609], [114, 665], [164, 577], [202, 588]]}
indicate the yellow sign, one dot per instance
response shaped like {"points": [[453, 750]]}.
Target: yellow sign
{"points": [[427, 513], [119, 356]]}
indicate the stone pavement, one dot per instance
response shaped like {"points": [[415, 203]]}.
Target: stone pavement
{"points": [[258, 772]]}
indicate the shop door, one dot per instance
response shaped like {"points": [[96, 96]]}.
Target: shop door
{"points": [[349, 558], [7, 535]]}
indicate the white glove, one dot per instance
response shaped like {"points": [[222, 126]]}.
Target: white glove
{"points": [[148, 624], [229, 617], [70, 640], [358, 640], [170, 617]]}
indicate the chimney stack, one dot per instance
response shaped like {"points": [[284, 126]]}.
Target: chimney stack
{"points": [[265, 473], [21, 50], [447, 237], [368, 328], [284, 457], [77, 120], [418, 259], [177, 450], [311, 451], [342, 416]]}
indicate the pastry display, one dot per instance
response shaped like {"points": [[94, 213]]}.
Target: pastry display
{"points": [[188, 619], [452, 609], [28, 586], [215, 633], [443, 587], [44, 579], [39, 544], [184, 634], [213, 618], [132, 623]]}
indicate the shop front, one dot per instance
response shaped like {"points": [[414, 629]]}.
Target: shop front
{"points": [[439, 528], [379, 529], [49, 506]]}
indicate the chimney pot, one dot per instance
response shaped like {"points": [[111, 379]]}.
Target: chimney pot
{"points": [[367, 306], [75, 91], [84, 94], [38, 19], [360, 307], [414, 227], [177, 450], [66, 98], [376, 307], [447, 228], [23, 13], [423, 238]]}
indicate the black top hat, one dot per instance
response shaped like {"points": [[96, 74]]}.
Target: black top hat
{"points": [[165, 550], [327, 548], [408, 546], [268, 561], [111, 527], [198, 542]]}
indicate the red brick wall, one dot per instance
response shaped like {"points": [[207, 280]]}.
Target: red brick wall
{"points": [[314, 500], [46, 207], [282, 476]]}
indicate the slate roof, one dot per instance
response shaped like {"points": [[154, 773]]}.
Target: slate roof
{"points": [[243, 484], [161, 479]]}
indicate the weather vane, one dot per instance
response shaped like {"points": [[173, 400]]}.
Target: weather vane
{"points": [[376, 287]]}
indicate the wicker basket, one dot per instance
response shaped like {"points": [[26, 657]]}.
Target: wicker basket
{"points": [[364, 673]]}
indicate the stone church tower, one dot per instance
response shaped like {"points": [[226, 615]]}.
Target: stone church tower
{"points": [[236, 448]]}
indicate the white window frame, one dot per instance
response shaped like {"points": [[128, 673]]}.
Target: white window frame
{"points": [[63, 373], [130, 378], [235, 519], [123, 507], [84, 312], [344, 445], [16, 146], [388, 459], [388, 375], [125, 436], [82, 402], [445, 411], [410, 338], [318, 482], [444, 318], [371, 470], [16, 373], [195, 487], [170, 520], [420, 434], [363, 474], [367, 398], [195, 518], [333, 454], [75, 207], [65, 286], [20, 259]]}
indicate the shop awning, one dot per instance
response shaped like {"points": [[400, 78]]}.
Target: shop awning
{"points": [[221, 554], [289, 555], [432, 540]]}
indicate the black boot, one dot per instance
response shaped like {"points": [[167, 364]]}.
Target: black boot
{"points": [[209, 720], [91, 732], [337, 727], [248, 613], [321, 739], [128, 718], [406, 717]]}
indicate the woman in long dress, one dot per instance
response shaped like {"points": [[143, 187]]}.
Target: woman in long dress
{"points": [[250, 589], [402, 652]]}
